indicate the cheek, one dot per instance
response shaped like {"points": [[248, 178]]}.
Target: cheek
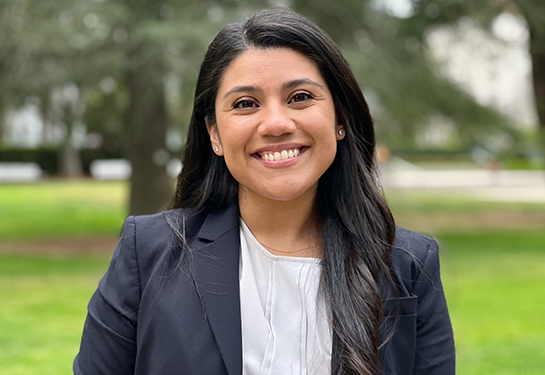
{"points": [[234, 145], [330, 157], [329, 139], [234, 150], [330, 151], [230, 134]]}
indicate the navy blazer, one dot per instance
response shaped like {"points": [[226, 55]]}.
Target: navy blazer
{"points": [[162, 311]]}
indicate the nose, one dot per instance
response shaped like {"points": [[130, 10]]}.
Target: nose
{"points": [[276, 121]]}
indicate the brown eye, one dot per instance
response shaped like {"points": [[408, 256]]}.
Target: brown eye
{"points": [[245, 103], [301, 97]]}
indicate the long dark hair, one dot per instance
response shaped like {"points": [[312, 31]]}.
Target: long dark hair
{"points": [[358, 228]]}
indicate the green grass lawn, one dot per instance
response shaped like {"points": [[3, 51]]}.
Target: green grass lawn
{"points": [[494, 277], [43, 308], [68, 208], [495, 287]]}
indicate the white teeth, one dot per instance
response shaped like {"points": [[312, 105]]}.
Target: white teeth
{"points": [[281, 155]]}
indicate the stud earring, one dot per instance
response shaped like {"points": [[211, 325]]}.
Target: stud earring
{"points": [[340, 132], [216, 149]]}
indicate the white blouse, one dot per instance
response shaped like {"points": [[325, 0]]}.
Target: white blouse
{"points": [[285, 329]]}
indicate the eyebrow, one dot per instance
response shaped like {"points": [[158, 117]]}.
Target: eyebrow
{"points": [[242, 89], [297, 82], [287, 85]]}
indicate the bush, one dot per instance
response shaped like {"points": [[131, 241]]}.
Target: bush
{"points": [[48, 157], [416, 156]]}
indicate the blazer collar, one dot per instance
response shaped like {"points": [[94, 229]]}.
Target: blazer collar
{"points": [[217, 223], [217, 263]]}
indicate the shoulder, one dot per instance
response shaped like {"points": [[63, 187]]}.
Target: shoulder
{"points": [[409, 245], [164, 226], [159, 238], [146, 233], [423, 334], [414, 255], [186, 224], [150, 242]]}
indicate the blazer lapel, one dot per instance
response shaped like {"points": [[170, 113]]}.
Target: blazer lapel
{"points": [[216, 262]]}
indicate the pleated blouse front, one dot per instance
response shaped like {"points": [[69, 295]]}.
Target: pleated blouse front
{"points": [[285, 329]]}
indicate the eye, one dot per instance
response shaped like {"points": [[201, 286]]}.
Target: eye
{"points": [[244, 103], [301, 96]]}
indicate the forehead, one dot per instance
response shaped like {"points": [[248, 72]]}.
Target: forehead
{"points": [[264, 67]]}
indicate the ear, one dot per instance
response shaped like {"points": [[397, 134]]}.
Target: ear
{"points": [[340, 133], [215, 139]]}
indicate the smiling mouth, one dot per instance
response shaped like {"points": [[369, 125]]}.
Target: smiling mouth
{"points": [[280, 155]]}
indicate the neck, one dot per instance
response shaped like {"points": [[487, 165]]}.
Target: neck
{"points": [[284, 228]]}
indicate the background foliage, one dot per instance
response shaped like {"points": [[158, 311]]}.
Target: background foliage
{"points": [[126, 70]]}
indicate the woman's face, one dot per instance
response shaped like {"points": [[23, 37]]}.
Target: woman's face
{"points": [[275, 124]]}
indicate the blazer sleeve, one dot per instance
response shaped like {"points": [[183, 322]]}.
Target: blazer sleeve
{"points": [[435, 353], [108, 344]]}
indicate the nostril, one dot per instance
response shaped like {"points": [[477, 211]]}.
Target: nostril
{"points": [[277, 124]]}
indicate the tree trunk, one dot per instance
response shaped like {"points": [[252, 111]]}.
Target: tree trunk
{"points": [[538, 76], [2, 124], [151, 187], [69, 158], [70, 161], [534, 12]]}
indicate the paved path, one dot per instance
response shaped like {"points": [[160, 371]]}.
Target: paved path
{"points": [[90, 245], [514, 186]]}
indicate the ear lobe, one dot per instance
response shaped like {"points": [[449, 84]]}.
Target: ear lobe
{"points": [[340, 133], [215, 139]]}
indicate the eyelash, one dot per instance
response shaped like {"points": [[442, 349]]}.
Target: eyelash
{"points": [[305, 93], [238, 103], [308, 95]]}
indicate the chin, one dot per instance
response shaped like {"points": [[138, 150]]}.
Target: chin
{"points": [[284, 198], [287, 194], [280, 192]]}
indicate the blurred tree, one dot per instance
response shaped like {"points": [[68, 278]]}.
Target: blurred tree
{"points": [[39, 65], [428, 14], [134, 64], [140, 47], [534, 13], [407, 92], [160, 45]]}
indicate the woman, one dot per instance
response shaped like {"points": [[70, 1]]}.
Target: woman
{"points": [[280, 255]]}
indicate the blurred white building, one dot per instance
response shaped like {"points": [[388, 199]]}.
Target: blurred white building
{"points": [[496, 69]]}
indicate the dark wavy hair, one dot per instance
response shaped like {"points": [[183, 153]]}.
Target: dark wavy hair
{"points": [[358, 228]]}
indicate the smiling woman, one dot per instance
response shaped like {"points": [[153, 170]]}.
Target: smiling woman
{"points": [[276, 129], [279, 255]]}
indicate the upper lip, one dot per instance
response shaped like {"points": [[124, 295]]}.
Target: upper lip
{"points": [[279, 147]]}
